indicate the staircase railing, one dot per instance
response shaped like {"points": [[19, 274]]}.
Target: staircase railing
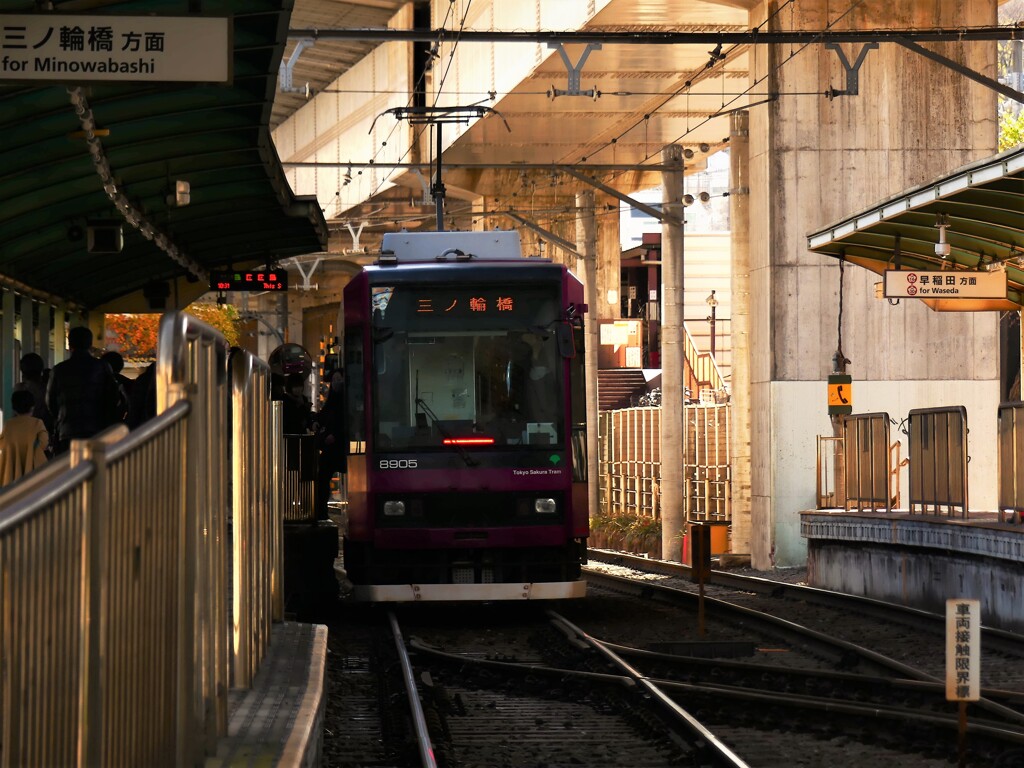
{"points": [[703, 370]]}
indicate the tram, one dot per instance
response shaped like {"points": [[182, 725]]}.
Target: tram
{"points": [[466, 403]]}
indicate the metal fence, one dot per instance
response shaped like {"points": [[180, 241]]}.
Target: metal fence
{"points": [[707, 464], [830, 461], [1011, 460], [630, 459], [867, 457], [301, 461], [630, 452], [257, 504], [115, 641], [938, 460]]}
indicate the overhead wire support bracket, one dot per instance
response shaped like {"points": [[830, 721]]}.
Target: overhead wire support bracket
{"points": [[439, 116], [573, 71], [285, 70], [852, 71]]}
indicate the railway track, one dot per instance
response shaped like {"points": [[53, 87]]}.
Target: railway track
{"points": [[908, 636], [616, 680]]}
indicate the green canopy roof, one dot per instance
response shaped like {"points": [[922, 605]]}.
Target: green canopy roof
{"points": [[216, 137], [983, 204]]}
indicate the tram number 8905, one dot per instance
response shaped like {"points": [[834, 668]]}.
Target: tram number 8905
{"points": [[397, 464]]}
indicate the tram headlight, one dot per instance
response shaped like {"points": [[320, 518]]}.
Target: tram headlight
{"points": [[394, 508], [544, 506]]}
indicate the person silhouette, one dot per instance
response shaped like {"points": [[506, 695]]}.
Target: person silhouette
{"points": [[82, 393]]}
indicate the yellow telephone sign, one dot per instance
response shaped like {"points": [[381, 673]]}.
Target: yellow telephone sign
{"points": [[840, 393]]}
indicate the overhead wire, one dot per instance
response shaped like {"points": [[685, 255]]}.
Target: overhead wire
{"points": [[746, 92], [422, 78]]}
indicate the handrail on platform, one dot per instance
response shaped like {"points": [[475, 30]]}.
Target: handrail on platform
{"points": [[115, 642]]}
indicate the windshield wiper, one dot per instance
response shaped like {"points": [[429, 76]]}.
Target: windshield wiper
{"points": [[470, 461], [420, 403]]}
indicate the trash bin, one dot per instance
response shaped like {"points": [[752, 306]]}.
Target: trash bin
{"points": [[719, 539]]}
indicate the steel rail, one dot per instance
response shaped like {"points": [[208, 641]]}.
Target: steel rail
{"points": [[817, 703], [689, 721], [423, 743], [797, 633], [995, 639]]}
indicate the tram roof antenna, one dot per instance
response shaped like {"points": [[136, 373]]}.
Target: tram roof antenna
{"points": [[439, 116]]}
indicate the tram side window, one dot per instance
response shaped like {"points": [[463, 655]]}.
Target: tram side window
{"points": [[354, 391], [578, 396]]}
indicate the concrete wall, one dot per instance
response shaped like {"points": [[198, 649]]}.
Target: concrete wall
{"points": [[921, 578], [812, 162]]}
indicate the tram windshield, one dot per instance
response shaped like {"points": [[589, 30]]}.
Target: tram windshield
{"points": [[460, 366]]}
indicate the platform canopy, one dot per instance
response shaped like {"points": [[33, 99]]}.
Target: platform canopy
{"points": [[983, 205], [58, 182]]}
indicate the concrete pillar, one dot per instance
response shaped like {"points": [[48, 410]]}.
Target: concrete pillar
{"points": [[673, 422], [586, 245], [813, 162], [60, 335], [609, 252], [46, 334], [739, 222], [28, 326]]}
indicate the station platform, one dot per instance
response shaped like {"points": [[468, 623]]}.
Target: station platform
{"points": [[279, 720], [920, 560]]}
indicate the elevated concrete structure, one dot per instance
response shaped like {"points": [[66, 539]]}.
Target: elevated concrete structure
{"points": [[811, 160]]}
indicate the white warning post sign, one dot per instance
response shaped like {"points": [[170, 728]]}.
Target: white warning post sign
{"points": [[963, 650]]}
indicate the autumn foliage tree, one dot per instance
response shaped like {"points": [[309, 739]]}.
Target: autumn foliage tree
{"points": [[136, 335]]}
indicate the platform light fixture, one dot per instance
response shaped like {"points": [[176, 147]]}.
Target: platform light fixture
{"points": [[942, 247], [109, 239]]}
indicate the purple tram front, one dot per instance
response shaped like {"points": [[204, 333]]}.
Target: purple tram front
{"points": [[467, 476]]}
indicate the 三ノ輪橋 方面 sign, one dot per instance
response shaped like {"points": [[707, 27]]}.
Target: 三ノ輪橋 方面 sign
{"points": [[947, 284], [83, 49]]}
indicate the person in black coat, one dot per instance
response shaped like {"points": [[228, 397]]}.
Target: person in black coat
{"points": [[332, 440], [82, 394]]}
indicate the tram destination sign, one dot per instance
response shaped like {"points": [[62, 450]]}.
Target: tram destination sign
{"points": [[947, 284], [63, 48]]}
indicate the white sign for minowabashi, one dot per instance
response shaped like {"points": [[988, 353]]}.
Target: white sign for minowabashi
{"points": [[963, 650], [84, 49]]}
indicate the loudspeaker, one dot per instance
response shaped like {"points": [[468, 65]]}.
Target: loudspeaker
{"points": [[104, 238]]}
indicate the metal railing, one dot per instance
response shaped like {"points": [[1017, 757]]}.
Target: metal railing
{"points": [[301, 462], [1011, 460], [702, 365], [938, 460], [257, 513], [830, 462], [867, 455], [115, 645], [707, 464]]}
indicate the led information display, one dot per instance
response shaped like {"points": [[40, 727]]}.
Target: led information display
{"points": [[249, 280], [458, 307]]}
